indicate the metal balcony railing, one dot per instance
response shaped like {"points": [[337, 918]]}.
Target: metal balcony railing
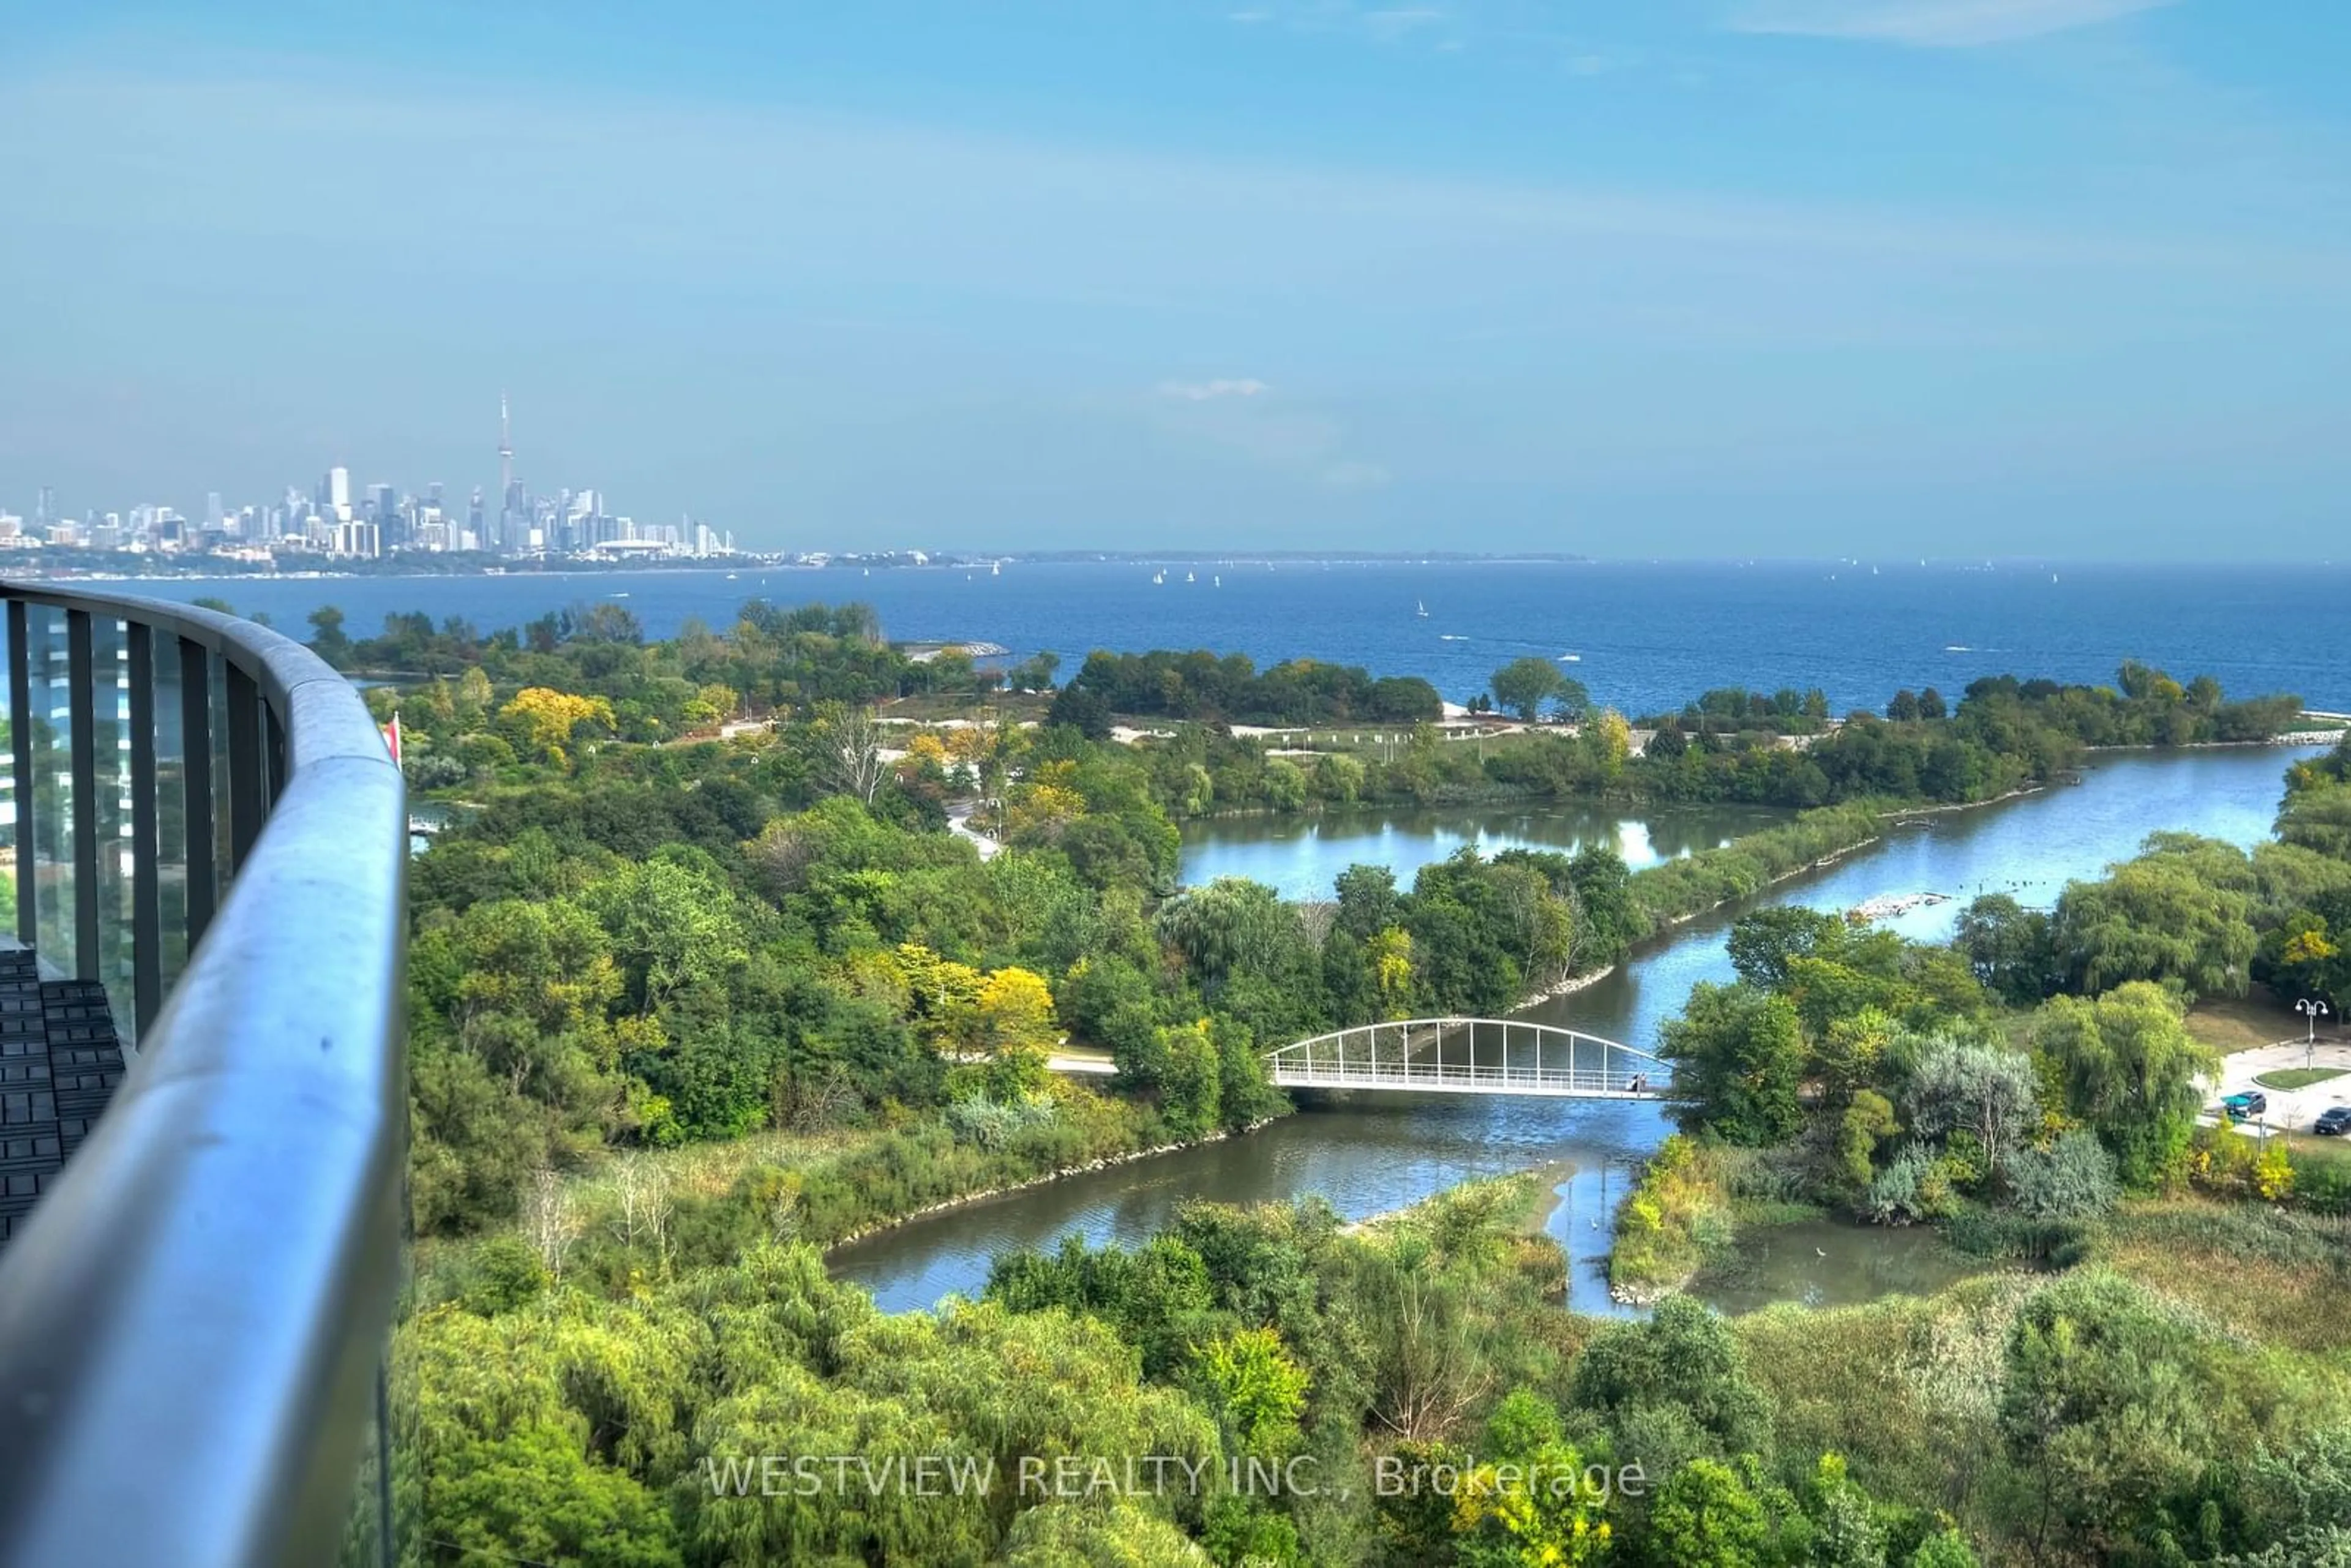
{"points": [[193, 1320]]}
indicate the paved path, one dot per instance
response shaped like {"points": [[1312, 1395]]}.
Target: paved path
{"points": [[959, 824], [1095, 1066]]}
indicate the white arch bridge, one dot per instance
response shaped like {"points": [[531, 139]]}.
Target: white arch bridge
{"points": [[1468, 1056]]}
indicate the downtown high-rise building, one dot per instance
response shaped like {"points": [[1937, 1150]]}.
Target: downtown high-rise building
{"points": [[513, 531]]}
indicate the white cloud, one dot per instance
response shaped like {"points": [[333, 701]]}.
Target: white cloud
{"points": [[1932, 23], [1201, 391]]}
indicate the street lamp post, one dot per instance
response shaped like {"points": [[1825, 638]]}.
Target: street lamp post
{"points": [[2312, 1008]]}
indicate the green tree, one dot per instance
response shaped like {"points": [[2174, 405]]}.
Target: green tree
{"points": [[1285, 785], [1707, 1517], [1984, 1092], [1245, 1090], [1338, 777], [327, 639], [2129, 1071], [1739, 1062], [2155, 918], [2010, 947], [2074, 1178], [673, 925], [1763, 945], [1867, 1123], [1684, 1363], [1846, 1532], [1948, 1549], [1257, 1388], [1229, 926], [1524, 685], [2099, 1409], [2319, 818], [533, 1496], [1190, 1082], [1085, 1534]]}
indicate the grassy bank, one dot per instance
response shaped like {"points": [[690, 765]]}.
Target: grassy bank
{"points": [[1669, 1225], [1678, 890], [1520, 1204], [649, 1214]]}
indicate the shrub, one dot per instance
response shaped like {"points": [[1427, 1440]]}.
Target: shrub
{"points": [[2074, 1178], [992, 1123], [508, 1273], [1893, 1198]]}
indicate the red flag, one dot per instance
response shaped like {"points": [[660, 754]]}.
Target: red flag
{"points": [[392, 737]]}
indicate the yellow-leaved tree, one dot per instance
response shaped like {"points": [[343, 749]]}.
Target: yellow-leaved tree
{"points": [[1015, 1012], [541, 721], [1612, 739], [1014, 1025]]}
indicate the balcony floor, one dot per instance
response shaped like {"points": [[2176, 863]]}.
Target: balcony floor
{"points": [[59, 1061]]}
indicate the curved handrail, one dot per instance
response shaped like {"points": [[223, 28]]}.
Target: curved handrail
{"points": [[191, 1325], [1440, 1024]]}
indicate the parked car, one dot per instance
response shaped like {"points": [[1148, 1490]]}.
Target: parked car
{"points": [[2245, 1104], [2335, 1121]]}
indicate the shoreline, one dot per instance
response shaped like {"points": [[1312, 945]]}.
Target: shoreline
{"points": [[1535, 1221], [2293, 737], [964, 1200], [1805, 870], [1566, 987]]}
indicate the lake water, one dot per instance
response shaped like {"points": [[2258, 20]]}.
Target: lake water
{"points": [[1373, 1153], [1302, 855], [1646, 636]]}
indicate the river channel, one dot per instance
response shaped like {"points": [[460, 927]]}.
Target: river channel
{"points": [[1371, 1153]]}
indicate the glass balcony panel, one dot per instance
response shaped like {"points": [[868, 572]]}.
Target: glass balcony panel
{"points": [[170, 809], [51, 689], [18, 857], [109, 665], [223, 854]]}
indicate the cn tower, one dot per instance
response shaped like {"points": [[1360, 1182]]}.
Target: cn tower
{"points": [[505, 455]]}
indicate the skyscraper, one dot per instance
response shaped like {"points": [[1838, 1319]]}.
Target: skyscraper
{"points": [[339, 493], [514, 512]]}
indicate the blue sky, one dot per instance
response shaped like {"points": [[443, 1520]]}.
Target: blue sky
{"points": [[1689, 277]]}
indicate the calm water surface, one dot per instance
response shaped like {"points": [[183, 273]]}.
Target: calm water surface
{"points": [[1374, 1153], [1825, 1263], [1303, 855], [1645, 635]]}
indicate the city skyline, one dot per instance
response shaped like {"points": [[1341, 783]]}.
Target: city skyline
{"points": [[330, 518]]}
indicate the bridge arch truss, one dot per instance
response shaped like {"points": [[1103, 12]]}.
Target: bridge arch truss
{"points": [[1468, 1056]]}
